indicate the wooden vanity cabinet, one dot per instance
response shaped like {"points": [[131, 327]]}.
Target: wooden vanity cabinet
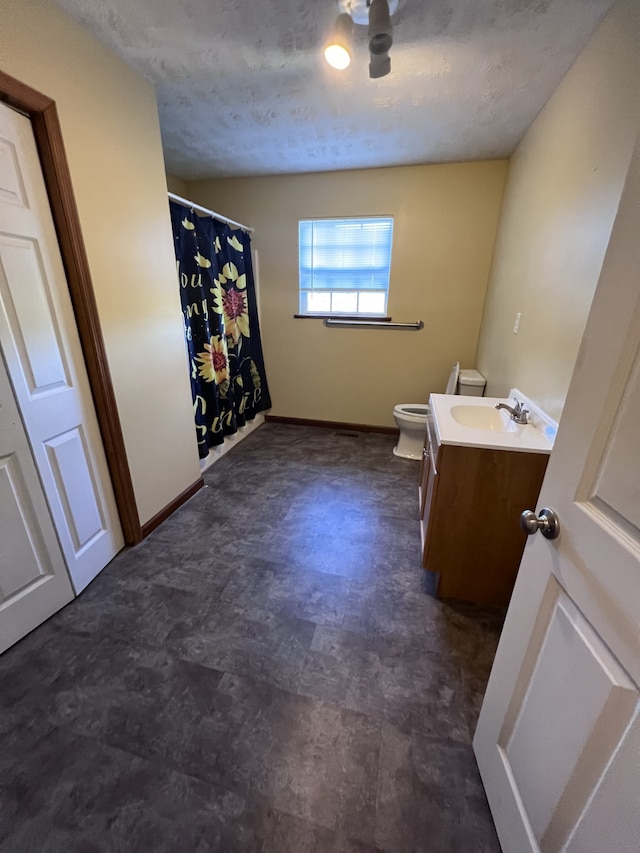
{"points": [[470, 503]]}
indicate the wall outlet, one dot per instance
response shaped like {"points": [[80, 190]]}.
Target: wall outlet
{"points": [[516, 323]]}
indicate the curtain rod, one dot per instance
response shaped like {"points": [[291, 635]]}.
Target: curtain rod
{"points": [[194, 206]]}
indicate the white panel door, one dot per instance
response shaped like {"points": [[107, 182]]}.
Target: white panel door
{"points": [[558, 739], [41, 348], [33, 579]]}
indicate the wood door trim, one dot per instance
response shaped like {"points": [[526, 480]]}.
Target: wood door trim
{"points": [[42, 112]]}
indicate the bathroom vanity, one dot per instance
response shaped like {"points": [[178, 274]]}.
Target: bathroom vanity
{"points": [[478, 473]]}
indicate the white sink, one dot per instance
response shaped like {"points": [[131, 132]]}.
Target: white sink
{"points": [[483, 417], [475, 422]]}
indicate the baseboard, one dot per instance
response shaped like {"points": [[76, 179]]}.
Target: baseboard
{"points": [[278, 419], [170, 508]]}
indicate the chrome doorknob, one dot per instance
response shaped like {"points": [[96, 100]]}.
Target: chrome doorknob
{"points": [[546, 522]]}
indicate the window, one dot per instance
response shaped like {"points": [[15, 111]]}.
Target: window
{"points": [[344, 265]]}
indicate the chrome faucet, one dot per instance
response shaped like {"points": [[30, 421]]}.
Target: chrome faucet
{"points": [[518, 412]]}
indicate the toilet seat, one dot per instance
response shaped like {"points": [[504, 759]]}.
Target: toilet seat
{"points": [[418, 412], [412, 411], [411, 418]]}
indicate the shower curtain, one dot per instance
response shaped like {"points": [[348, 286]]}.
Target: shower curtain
{"points": [[217, 289]]}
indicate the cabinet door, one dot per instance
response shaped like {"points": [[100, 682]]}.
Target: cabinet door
{"points": [[425, 472], [428, 488], [430, 446]]}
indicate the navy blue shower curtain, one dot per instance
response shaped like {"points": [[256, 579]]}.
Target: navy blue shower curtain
{"points": [[215, 272]]}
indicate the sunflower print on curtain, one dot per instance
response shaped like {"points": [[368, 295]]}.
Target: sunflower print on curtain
{"points": [[217, 290]]}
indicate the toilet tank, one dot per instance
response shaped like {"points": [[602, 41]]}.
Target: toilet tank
{"points": [[471, 383]]}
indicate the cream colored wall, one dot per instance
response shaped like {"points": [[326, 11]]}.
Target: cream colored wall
{"points": [[445, 220], [176, 185], [110, 126], [563, 188]]}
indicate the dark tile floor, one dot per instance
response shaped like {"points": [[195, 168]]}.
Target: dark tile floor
{"points": [[266, 672]]}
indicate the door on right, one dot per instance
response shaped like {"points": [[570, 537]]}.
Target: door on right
{"points": [[558, 738]]}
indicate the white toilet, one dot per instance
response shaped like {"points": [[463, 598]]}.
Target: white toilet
{"points": [[411, 417]]}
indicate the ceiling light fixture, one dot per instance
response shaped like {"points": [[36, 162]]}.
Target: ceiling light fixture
{"points": [[374, 14], [337, 51], [380, 38]]}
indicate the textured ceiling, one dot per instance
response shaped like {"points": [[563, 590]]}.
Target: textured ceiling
{"points": [[243, 89]]}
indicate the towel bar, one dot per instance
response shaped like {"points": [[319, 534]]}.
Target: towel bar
{"points": [[374, 324]]}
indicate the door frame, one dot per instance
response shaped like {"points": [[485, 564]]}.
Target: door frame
{"points": [[42, 112]]}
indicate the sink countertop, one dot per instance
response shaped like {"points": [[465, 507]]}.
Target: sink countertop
{"points": [[534, 437]]}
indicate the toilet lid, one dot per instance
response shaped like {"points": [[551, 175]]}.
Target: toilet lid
{"points": [[452, 384]]}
